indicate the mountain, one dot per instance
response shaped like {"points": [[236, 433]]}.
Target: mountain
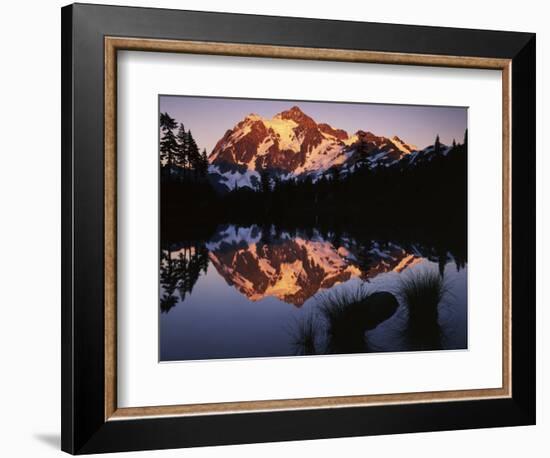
{"points": [[291, 145]]}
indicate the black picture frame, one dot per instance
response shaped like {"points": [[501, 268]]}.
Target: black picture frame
{"points": [[84, 428]]}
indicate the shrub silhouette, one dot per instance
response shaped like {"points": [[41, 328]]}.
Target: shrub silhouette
{"points": [[422, 294]]}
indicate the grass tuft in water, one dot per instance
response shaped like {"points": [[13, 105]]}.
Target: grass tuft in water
{"points": [[343, 320], [304, 336], [422, 293]]}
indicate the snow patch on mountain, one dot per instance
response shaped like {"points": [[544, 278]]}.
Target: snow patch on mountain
{"points": [[234, 178], [284, 132], [402, 146], [322, 157], [231, 235]]}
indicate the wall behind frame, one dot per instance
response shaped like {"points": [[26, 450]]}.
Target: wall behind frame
{"points": [[30, 229]]}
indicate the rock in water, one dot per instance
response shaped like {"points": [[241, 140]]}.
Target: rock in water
{"points": [[378, 308]]}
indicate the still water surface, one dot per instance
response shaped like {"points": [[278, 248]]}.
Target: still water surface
{"points": [[251, 291]]}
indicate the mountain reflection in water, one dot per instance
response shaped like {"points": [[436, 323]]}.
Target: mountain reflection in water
{"points": [[243, 292], [293, 269]]}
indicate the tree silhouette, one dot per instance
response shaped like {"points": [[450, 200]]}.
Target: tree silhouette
{"points": [[168, 143], [437, 145], [193, 150], [180, 271], [168, 281], [265, 182], [335, 174], [204, 163], [182, 157]]}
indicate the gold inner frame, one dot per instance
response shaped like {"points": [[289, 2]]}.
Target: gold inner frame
{"points": [[114, 44]]}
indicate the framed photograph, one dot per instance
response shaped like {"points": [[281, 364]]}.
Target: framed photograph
{"points": [[281, 228]]}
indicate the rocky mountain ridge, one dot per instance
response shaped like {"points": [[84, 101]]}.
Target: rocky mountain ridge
{"points": [[294, 145]]}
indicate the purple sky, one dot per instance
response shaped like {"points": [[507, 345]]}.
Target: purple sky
{"points": [[209, 117]]}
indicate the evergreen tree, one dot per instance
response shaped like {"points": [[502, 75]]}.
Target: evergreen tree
{"points": [[335, 174], [265, 182], [168, 143], [466, 139], [182, 156], [204, 163], [437, 145], [454, 143], [276, 183], [181, 273], [193, 155]]}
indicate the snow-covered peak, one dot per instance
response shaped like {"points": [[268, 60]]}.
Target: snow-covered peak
{"points": [[294, 113], [291, 144]]}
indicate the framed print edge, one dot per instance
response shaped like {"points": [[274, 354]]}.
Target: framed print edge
{"points": [[115, 44], [67, 387], [91, 421]]}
